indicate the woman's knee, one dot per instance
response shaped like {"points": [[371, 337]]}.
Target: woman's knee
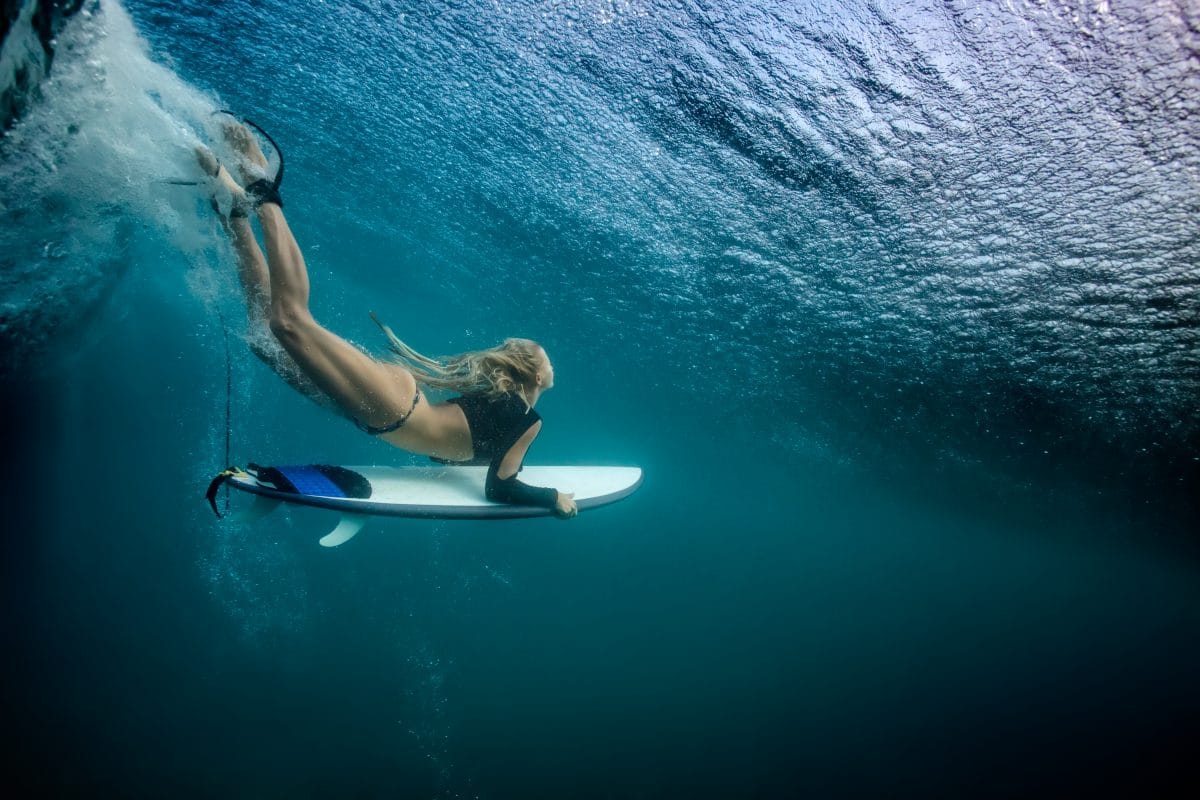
{"points": [[289, 324]]}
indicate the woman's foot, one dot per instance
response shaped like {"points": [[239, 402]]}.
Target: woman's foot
{"points": [[253, 164], [222, 183]]}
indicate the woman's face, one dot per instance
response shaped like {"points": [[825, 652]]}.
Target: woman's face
{"points": [[546, 372]]}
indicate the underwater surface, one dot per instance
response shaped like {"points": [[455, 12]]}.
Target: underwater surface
{"points": [[897, 304]]}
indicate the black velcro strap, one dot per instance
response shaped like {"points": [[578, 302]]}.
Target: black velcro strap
{"points": [[264, 191]]}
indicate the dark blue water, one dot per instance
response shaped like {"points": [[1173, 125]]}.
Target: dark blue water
{"points": [[896, 304]]}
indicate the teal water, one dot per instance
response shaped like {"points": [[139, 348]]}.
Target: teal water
{"points": [[896, 305]]}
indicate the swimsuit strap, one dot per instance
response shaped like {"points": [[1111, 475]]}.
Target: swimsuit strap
{"points": [[395, 426]]}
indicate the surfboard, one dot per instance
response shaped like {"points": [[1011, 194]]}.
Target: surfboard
{"points": [[434, 492]]}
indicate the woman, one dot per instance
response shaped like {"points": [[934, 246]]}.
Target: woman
{"points": [[493, 421]]}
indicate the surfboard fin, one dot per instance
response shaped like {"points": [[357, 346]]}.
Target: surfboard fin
{"points": [[346, 529]]}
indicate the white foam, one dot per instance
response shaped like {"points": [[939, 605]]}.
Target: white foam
{"points": [[84, 174]]}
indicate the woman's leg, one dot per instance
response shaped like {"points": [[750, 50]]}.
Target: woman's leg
{"points": [[252, 269], [372, 392], [256, 288]]}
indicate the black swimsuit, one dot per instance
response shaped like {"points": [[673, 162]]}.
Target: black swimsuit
{"points": [[395, 426], [496, 424]]}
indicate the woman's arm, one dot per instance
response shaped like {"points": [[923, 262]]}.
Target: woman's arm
{"points": [[502, 485]]}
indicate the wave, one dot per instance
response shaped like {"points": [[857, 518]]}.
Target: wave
{"points": [[969, 223]]}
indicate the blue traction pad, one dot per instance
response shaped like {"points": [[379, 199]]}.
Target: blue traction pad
{"points": [[316, 480], [310, 480]]}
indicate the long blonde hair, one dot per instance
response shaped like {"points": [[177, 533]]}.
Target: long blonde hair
{"points": [[508, 368]]}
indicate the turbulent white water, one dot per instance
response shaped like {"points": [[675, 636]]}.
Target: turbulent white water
{"points": [[84, 176]]}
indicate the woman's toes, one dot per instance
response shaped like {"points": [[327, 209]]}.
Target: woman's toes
{"points": [[240, 138]]}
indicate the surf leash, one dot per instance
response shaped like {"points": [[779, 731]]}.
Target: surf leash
{"points": [[215, 485], [228, 400], [268, 189]]}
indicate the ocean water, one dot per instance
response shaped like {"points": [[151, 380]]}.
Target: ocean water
{"points": [[897, 304]]}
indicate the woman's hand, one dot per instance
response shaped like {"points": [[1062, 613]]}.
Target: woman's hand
{"points": [[564, 506]]}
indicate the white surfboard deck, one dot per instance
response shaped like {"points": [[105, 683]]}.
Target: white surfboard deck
{"points": [[443, 492]]}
